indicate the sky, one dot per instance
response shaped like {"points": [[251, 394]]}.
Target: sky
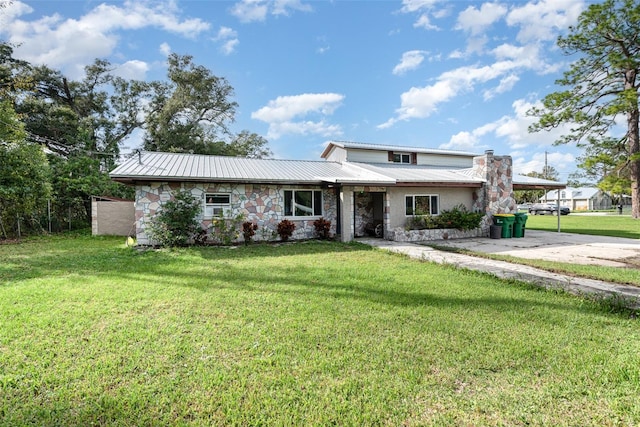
{"points": [[454, 74]]}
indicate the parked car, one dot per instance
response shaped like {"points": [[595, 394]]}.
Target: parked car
{"points": [[548, 208]]}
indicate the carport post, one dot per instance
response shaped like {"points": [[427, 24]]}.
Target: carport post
{"points": [[558, 214]]}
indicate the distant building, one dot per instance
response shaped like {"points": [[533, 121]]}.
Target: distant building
{"points": [[580, 199]]}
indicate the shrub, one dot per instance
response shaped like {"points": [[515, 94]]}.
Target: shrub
{"points": [[457, 217], [175, 222], [322, 228], [248, 231], [285, 229], [226, 230]]}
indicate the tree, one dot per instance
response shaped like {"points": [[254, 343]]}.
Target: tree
{"points": [[191, 113], [24, 180], [603, 86]]}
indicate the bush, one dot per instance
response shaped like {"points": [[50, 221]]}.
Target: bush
{"points": [[457, 217], [226, 230], [248, 231], [285, 229], [175, 222], [322, 228]]}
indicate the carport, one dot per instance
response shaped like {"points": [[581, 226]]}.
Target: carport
{"points": [[522, 182]]}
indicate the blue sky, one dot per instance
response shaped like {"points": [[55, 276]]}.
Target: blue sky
{"points": [[429, 73]]}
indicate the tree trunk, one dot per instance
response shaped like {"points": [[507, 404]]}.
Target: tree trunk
{"points": [[633, 138]]}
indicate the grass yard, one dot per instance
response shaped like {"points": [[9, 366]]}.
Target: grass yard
{"points": [[599, 225], [316, 333]]}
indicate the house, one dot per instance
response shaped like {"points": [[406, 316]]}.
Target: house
{"points": [[355, 186], [580, 199]]}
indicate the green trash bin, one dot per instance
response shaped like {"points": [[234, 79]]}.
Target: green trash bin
{"points": [[519, 224], [506, 221]]}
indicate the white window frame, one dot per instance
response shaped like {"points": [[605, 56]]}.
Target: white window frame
{"points": [[290, 208], [213, 209], [432, 197], [402, 157]]}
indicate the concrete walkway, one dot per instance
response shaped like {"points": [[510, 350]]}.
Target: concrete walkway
{"points": [[506, 270]]}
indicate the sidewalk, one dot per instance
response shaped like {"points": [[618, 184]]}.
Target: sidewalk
{"points": [[506, 270]]}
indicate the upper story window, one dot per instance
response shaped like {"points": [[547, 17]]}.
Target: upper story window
{"points": [[398, 157], [303, 203], [216, 203]]}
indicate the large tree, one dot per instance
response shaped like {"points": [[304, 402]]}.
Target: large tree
{"points": [[191, 113], [24, 184], [603, 87]]}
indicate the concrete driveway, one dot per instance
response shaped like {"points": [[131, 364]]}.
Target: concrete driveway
{"points": [[562, 247]]}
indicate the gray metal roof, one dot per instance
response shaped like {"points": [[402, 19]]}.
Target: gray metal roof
{"points": [[149, 166], [405, 173], [382, 147], [523, 180]]}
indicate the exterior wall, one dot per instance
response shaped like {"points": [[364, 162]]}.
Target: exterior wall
{"points": [[261, 204], [449, 197], [337, 154], [367, 156], [442, 160], [116, 218]]}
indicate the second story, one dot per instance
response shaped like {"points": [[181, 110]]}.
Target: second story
{"points": [[358, 152]]}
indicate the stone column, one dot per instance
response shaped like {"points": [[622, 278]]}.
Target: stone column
{"points": [[346, 214], [496, 194]]}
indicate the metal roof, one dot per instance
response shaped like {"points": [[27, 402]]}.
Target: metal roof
{"points": [[405, 173], [148, 166], [381, 147], [158, 166], [524, 182]]}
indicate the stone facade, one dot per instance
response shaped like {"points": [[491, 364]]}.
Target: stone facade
{"points": [[401, 235], [260, 204], [496, 195]]}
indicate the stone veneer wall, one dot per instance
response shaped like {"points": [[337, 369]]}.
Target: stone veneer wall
{"points": [[364, 212], [261, 204], [496, 195], [401, 235]]}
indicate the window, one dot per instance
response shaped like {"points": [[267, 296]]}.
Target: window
{"points": [[215, 204], [422, 205], [401, 158], [303, 203]]}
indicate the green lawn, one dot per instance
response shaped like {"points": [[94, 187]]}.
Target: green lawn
{"points": [[600, 225], [94, 333]]}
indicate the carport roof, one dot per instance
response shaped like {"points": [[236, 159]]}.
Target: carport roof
{"points": [[523, 182]]}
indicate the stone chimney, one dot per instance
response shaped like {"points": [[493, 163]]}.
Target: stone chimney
{"points": [[496, 194]]}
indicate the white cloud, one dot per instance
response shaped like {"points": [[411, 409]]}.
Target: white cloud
{"points": [[469, 141], [425, 8], [165, 49], [287, 114], [475, 21], [561, 162], [70, 44], [505, 85], [132, 70], [257, 10], [421, 102], [542, 20], [229, 39], [410, 61]]}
